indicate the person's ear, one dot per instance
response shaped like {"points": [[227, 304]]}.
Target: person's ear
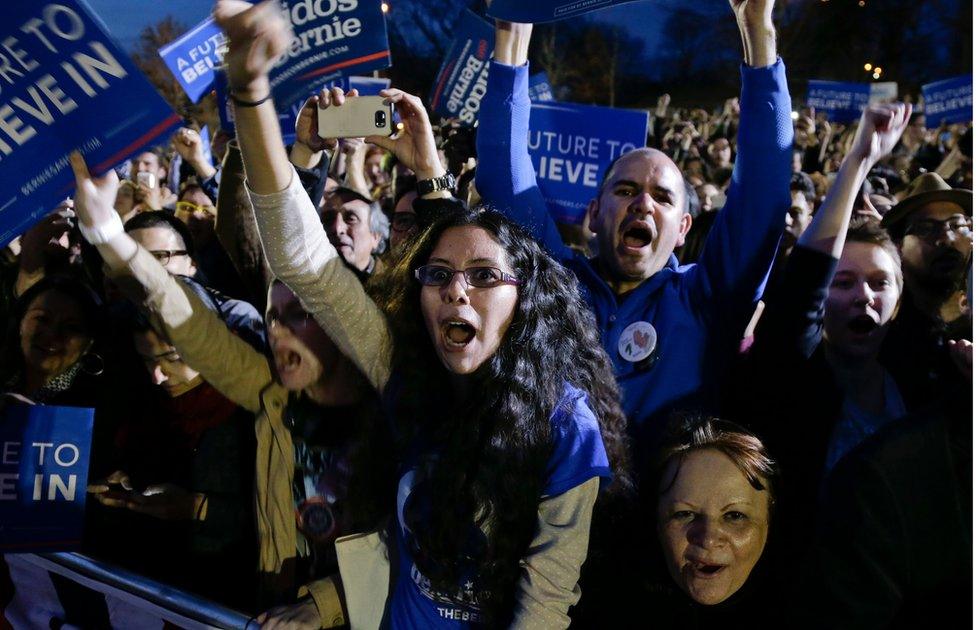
{"points": [[683, 228], [593, 213]]}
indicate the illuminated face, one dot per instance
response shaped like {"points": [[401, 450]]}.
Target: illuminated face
{"points": [[862, 300], [639, 217], [53, 334], [404, 223], [347, 226], [467, 324], [712, 524], [200, 218], [166, 367], [148, 162], [938, 241], [303, 354], [161, 239], [799, 216]]}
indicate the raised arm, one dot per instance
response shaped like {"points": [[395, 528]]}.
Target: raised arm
{"points": [[505, 176], [792, 324], [881, 127], [228, 363], [295, 243], [740, 248]]}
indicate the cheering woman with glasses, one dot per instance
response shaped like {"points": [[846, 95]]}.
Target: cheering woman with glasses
{"points": [[499, 396]]}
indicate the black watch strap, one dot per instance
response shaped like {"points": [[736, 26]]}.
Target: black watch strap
{"points": [[427, 186]]}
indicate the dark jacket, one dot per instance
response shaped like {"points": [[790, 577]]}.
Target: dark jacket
{"points": [[894, 547]]}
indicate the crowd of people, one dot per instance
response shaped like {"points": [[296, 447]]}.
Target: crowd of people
{"points": [[371, 382]]}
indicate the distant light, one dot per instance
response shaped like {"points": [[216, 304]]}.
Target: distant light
{"points": [[867, 67], [860, 3], [795, 115], [876, 75], [878, 70], [385, 7], [399, 126]]}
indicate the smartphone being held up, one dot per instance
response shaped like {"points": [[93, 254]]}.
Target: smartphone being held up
{"points": [[358, 117]]}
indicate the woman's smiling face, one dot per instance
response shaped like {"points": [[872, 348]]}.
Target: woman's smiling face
{"points": [[467, 324]]}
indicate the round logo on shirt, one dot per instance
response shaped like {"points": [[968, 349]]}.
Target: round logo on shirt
{"points": [[637, 342], [316, 520]]}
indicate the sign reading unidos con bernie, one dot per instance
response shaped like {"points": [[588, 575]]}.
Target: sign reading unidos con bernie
{"points": [[571, 145], [949, 100], [546, 10], [333, 38], [463, 78], [842, 102], [65, 85], [44, 455], [192, 57]]}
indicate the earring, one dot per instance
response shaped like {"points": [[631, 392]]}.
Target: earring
{"points": [[92, 363]]}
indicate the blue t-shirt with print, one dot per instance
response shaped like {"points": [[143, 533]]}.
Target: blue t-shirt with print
{"points": [[578, 455]]}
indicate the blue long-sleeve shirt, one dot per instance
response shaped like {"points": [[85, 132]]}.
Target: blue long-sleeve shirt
{"points": [[699, 311]]}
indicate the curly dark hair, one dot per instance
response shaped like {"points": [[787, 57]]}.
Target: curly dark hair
{"points": [[491, 445]]}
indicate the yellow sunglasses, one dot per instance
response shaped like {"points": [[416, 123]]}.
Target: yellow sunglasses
{"points": [[189, 207]]}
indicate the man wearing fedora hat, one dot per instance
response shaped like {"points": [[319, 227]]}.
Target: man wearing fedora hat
{"points": [[932, 226]]}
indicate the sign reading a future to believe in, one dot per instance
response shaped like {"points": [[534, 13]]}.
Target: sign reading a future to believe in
{"points": [[44, 455], [842, 102], [65, 85], [193, 56], [571, 145], [949, 100]]}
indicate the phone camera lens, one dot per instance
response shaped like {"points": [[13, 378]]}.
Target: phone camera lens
{"points": [[380, 119]]}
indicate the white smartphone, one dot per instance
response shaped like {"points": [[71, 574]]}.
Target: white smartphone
{"points": [[359, 116], [149, 179]]}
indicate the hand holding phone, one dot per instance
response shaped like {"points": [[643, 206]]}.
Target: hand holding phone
{"points": [[352, 116], [415, 145]]}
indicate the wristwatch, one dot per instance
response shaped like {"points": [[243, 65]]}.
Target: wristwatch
{"points": [[428, 186]]}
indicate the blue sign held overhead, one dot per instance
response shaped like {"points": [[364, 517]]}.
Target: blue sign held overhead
{"points": [[949, 100], [842, 102], [546, 10], [462, 80], [193, 56], [539, 88], [571, 145], [44, 455], [67, 86], [332, 39]]}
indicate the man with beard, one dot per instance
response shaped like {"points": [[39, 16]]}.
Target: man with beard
{"points": [[932, 226]]}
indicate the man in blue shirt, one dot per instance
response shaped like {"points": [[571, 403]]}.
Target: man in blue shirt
{"points": [[670, 330]]}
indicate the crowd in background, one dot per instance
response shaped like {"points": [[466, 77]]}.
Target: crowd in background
{"points": [[294, 344]]}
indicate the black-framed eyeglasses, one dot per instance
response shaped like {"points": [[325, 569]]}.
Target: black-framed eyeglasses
{"points": [[480, 277], [164, 255], [404, 221], [930, 229]]}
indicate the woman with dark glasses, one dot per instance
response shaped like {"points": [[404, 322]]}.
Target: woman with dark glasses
{"points": [[500, 397]]}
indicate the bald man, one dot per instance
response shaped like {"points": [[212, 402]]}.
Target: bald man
{"points": [[671, 331]]}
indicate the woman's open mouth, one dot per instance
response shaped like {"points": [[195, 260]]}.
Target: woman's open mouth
{"points": [[705, 570], [862, 325], [457, 333]]}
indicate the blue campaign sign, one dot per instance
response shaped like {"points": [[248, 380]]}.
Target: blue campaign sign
{"points": [[332, 39], [571, 145], [463, 78], [539, 88], [949, 100], [65, 85], [546, 10], [44, 455], [842, 102], [193, 56]]}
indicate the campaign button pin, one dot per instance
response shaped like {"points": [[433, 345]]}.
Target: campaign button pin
{"points": [[637, 342]]}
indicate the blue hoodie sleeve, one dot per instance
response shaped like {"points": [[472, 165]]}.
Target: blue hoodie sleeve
{"points": [[735, 262], [505, 177]]}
